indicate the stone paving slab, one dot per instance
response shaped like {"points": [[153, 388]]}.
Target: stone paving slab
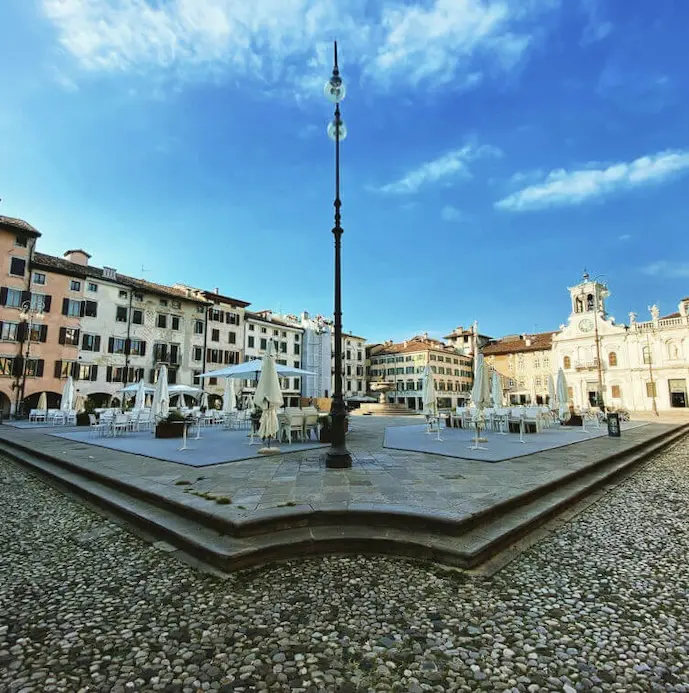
{"points": [[459, 442], [380, 480], [215, 446]]}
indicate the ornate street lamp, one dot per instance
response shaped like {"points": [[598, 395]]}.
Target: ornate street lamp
{"points": [[337, 457]]}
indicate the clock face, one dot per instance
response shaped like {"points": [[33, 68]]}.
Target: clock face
{"points": [[586, 325]]}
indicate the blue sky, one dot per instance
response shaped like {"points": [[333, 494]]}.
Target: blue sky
{"points": [[495, 149]]}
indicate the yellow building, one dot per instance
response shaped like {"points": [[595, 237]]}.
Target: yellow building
{"points": [[524, 362]]}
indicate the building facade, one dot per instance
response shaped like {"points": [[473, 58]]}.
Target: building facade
{"points": [[354, 382], [639, 366], [524, 364], [402, 364]]}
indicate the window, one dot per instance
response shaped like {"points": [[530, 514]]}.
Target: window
{"points": [[38, 278], [90, 309], [137, 347], [175, 322], [251, 328], [232, 318], [138, 296], [138, 317], [14, 298], [296, 337], [216, 315], [650, 389], [200, 309], [538, 381], [297, 349], [121, 314], [6, 365], [71, 308], [74, 285], [90, 286], [250, 341], [647, 355], [198, 326], [215, 335], [64, 369], [214, 356], [39, 302], [546, 362], [161, 321], [612, 359], [34, 367], [90, 342], [537, 362], [196, 380], [283, 347], [197, 353], [69, 336], [21, 241], [163, 302], [123, 294], [263, 343], [17, 266], [177, 304], [9, 331], [231, 337], [297, 364], [566, 363], [87, 372], [615, 391], [264, 330], [276, 333]]}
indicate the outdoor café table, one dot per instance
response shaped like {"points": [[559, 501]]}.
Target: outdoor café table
{"points": [[186, 425]]}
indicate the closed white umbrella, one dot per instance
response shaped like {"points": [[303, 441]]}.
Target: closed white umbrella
{"points": [[161, 398], [182, 402], [43, 402], [229, 399], [430, 403], [269, 397], [140, 398], [496, 390], [480, 396], [67, 395], [204, 400], [562, 395], [552, 397], [79, 403]]}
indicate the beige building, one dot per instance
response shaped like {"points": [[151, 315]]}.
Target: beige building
{"points": [[524, 362], [353, 365], [403, 365]]}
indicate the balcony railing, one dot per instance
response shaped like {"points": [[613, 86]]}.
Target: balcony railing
{"points": [[667, 322], [586, 365]]}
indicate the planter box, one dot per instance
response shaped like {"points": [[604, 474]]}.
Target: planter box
{"points": [[169, 430]]}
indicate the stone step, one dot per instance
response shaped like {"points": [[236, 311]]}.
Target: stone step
{"points": [[222, 544]]}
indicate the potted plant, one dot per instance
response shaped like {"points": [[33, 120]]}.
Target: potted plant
{"points": [[170, 427]]}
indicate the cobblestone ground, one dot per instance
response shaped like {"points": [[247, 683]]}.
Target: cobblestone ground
{"points": [[600, 606]]}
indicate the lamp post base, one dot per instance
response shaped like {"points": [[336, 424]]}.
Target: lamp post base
{"points": [[338, 458]]}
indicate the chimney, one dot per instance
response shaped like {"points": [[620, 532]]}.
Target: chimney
{"points": [[78, 256], [217, 289]]}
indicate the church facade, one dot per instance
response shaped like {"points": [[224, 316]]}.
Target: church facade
{"points": [[641, 366]]}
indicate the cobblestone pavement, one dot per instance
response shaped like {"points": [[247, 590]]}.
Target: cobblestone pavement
{"points": [[601, 605]]}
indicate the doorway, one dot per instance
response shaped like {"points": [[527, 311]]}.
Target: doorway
{"points": [[678, 393]]}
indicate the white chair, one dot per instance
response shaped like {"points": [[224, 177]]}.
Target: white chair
{"points": [[120, 424], [296, 426], [96, 427], [311, 424]]}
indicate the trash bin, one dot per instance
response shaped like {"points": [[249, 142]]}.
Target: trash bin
{"points": [[614, 425]]}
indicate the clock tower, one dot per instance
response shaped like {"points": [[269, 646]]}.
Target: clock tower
{"points": [[588, 303]]}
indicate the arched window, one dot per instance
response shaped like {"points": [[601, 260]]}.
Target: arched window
{"points": [[612, 359], [578, 306], [589, 302], [566, 363]]}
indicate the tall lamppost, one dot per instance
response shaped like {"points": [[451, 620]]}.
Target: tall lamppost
{"points": [[596, 308], [654, 406], [29, 313], [337, 457]]}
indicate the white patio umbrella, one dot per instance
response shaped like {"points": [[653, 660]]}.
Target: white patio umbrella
{"points": [[480, 396], [79, 403], [250, 370], [67, 395], [43, 402], [562, 395], [229, 400], [161, 397], [496, 390], [181, 401], [430, 403], [204, 401], [552, 397], [269, 397], [140, 398]]}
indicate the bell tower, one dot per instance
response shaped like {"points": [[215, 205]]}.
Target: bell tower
{"points": [[588, 297]]}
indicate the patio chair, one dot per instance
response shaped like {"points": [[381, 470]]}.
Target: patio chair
{"points": [[120, 424], [296, 427], [96, 427], [283, 427], [311, 424], [37, 415]]}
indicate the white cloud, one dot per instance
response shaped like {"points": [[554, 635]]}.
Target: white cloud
{"points": [[450, 213], [287, 41], [449, 165], [624, 237], [671, 270], [562, 187], [596, 28]]}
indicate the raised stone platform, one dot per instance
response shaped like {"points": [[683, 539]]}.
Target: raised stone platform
{"points": [[455, 511], [387, 409]]}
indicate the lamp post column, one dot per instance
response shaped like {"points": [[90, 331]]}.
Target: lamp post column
{"points": [[337, 457]]}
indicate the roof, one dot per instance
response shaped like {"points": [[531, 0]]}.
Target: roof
{"points": [[77, 250], [213, 296], [415, 344], [249, 315], [461, 331], [672, 315], [19, 225], [58, 264], [542, 341], [349, 335]]}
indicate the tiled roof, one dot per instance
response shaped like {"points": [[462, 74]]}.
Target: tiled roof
{"points": [[541, 341], [212, 296], [74, 269], [248, 315], [414, 345], [19, 225], [672, 315]]}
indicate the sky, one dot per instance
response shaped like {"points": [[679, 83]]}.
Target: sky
{"points": [[495, 149]]}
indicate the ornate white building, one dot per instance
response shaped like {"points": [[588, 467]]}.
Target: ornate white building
{"points": [[640, 366]]}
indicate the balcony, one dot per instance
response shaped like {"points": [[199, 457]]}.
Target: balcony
{"points": [[586, 365]]}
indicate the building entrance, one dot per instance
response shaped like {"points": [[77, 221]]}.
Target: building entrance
{"points": [[678, 393]]}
